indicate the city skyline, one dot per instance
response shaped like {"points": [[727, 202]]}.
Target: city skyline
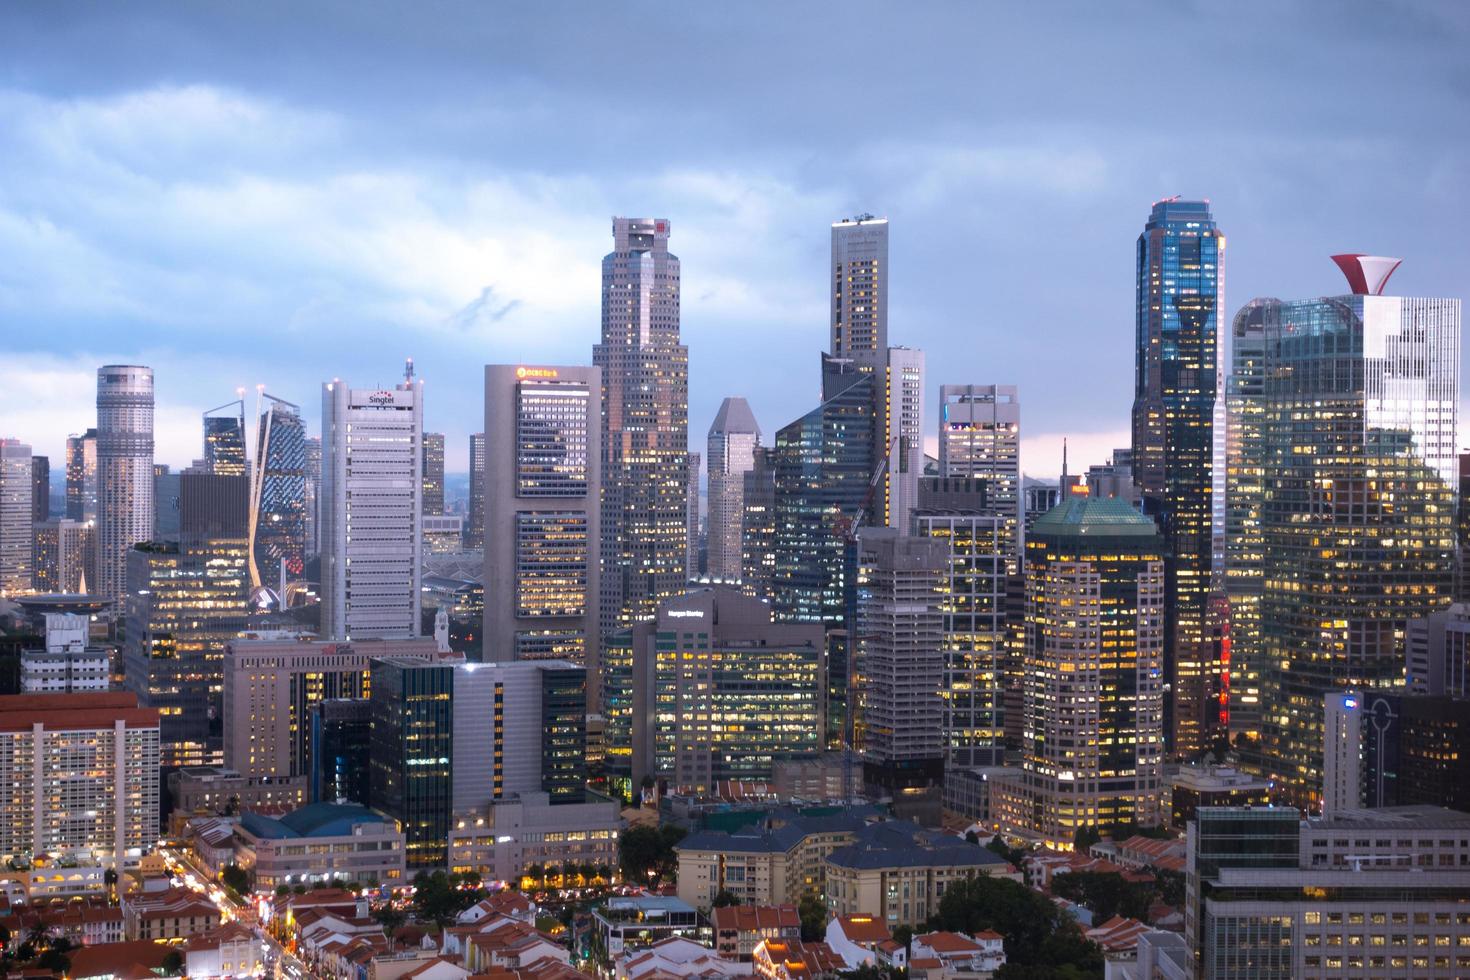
{"points": [[279, 246]]}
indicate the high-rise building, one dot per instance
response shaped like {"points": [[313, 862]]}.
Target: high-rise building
{"points": [[1244, 495], [61, 549], [224, 439], [542, 512], [474, 531], [1180, 279], [81, 476], [693, 539], [859, 319], [165, 503], [67, 663], [899, 410], [272, 684], [758, 524], [40, 488], [81, 779], [1092, 739], [1415, 751], [185, 600], [733, 440], [1039, 498], [371, 512], [278, 499], [958, 511], [434, 473], [1438, 652], [645, 425], [341, 739], [16, 529], [980, 436], [898, 663], [720, 692], [1357, 513], [313, 496], [124, 471]]}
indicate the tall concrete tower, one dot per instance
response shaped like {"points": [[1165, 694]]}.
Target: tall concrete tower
{"points": [[124, 470], [733, 440]]}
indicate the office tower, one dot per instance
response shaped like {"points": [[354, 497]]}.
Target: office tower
{"points": [[645, 424], [1179, 308], [758, 524], [474, 532], [1357, 514], [224, 439], [61, 548], [341, 736], [1115, 478], [542, 515], [66, 663], [434, 473], [81, 476], [1244, 495], [900, 402], [81, 778], [719, 692], [278, 499], [692, 535], [1342, 752], [454, 737], [185, 600], [733, 441], [1368, 893], [16, 530], [898, 667], [1092, 740], [371, 510], [1438, 652], [1415, 751], [1039, 498], [313, 493], [124, 471], [40, 488], [959, 512], [980, 436], [272, 684], [859, 286], [165, 503]]}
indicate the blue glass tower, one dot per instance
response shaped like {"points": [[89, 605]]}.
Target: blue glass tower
{"points": [[278, 496], [1179, 307]]}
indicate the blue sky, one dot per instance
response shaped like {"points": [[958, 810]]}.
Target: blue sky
{"points": [[284, 193]]}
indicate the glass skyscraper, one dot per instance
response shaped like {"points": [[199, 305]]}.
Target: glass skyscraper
{"points": [[1244, 549], [224, 439], [1357, 504], [1179, 279], [278, 496]]}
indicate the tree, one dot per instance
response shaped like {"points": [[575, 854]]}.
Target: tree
{"points": [[644, 849], [813, 916], [903, 935], [1085, 837], [435, 899], [725, 898], [109, 878], [391, 919], [1106, 893], [173, 964], [1035, 930], [1171, 886], [282, 891], [235, 877]]}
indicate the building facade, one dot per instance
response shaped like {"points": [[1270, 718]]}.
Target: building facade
{"points": [[542, 512], [1244, 495], [980, 436], [734, 438], [474, 530], [433, 474], [124, 471], [372, 548], [859, 320], [16, 524], [278, 499], [645, 425]]}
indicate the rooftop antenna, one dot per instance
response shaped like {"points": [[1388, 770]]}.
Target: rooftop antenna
{"points": [[1064, 461], [408, 371]]}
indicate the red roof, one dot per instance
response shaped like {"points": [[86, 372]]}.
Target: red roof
{"points": [[85, 710], [948, 942], [755, 918], [803, 959], [863, 928], [135, 960]]}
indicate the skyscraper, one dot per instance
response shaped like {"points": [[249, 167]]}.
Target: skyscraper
{"points": [[434, 473], [980, 436], [1357, 514], [278, 497], [645, 423], [224, 439], [899, 425], [733, 440], [313, 496], [692, 536], [124, 471], [61, 547], [758, 524], [474, 532], [860, 286], [16, 530], [1179, 309], [81, 476], [372, 481], [541, 478], [1092, 743], [1244, 490], [40, 488]]}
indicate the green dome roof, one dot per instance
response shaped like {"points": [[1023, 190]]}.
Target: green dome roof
{"points": [[1094, 517]]}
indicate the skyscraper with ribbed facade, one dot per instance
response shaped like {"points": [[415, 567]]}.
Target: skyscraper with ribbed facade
{"points": [[1244, 548], [1179, 303], [124, 471], [734, 438], [1361, 396], [278, 497], [645, 425]]}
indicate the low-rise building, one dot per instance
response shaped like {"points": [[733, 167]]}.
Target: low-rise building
{"points": [[172, 916], [792, 959], [898, 870], [504, 840], [857, 938], [956, 956], [321, 842], [66, 664], [740, 928], [80, 923], [677, 959], [639, 921], [212, 839], [1158, 955], [216, 790], [1137, 852], [232, 950], [108, 961]]}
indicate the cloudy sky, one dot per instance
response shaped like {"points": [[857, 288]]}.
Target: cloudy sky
{"points": [[283, 193]]}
